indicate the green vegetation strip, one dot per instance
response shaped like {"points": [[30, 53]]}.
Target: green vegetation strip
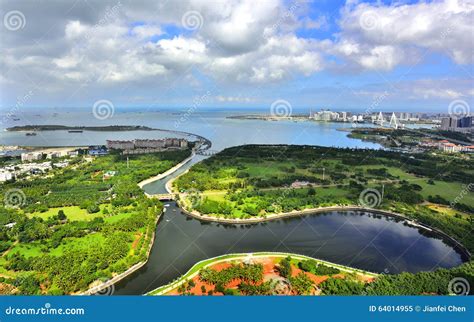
{"points": [[229, 257]]}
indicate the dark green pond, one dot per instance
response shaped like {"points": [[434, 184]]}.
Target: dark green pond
{"points": [[358, 239]]}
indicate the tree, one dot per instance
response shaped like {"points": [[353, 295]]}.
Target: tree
{"points": [[285, 267], [302, 284], [61, 215]]}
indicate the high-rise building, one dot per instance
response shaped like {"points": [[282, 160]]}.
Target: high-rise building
{"points": [[462, 124]]}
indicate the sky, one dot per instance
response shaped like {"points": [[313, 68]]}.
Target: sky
{"points": [[375, 55]]}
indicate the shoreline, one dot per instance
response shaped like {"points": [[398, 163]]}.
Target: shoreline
{"points": [[162, 290]]}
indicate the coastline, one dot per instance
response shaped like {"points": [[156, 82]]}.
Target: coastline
{"points": [[194, 270]]}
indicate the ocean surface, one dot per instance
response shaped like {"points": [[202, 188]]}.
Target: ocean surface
{"points": [[210, 123]]}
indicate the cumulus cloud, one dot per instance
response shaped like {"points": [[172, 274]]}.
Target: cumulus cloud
{"points": [[144, 43], [381, 37]]}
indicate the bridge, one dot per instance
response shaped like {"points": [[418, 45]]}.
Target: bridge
{"points": [[206, 152], [161, 196]]}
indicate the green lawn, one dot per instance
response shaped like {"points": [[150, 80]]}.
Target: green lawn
{"points": [[118, 217], [447, 190], [73, 213], [28, 250]]}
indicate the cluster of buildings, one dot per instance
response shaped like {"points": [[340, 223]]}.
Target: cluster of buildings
{"points": [[139, 146], [396, 120], [41, 155], [11, 172], [326, 115], [382, 119], [446, 146], [457, 124]]}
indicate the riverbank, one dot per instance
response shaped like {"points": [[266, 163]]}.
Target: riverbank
{"points": [[109, 284], [166, 173], [136, 267], [195, 269]]}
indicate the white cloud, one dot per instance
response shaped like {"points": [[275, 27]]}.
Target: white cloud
{"points": [[381, 37], [235, 99], [147, 31], [240, 43]]}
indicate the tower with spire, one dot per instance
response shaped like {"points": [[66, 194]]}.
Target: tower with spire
{"points": [[380, 119], [394, 121]]}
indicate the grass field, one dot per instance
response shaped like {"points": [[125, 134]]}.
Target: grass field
{"points": [[73, 213], [248, 183], [78, 243]]}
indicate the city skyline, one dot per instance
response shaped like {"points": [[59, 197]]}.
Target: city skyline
{"points": [[407, 56]]}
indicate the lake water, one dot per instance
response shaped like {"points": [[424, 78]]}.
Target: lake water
{"points": [[357, 239]]}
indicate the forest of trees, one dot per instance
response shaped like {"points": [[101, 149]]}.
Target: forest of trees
{"points": [[71, 254]]}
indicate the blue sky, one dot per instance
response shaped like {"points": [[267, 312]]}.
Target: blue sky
{"points": [[383, 55]]}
